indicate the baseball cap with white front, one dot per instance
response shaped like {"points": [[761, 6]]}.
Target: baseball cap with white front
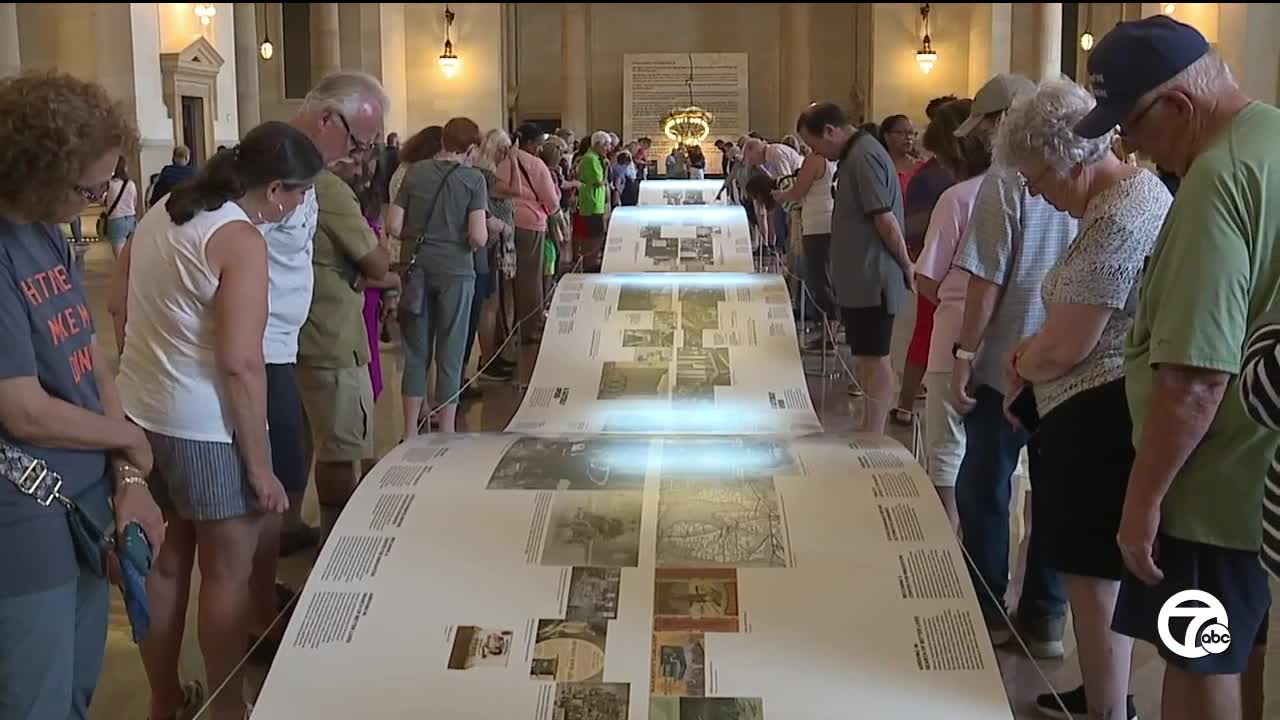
{"points": [[996, 96], [1133, 59]]}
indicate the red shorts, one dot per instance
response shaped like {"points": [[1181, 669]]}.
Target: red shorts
{"points": [[918, 350]]}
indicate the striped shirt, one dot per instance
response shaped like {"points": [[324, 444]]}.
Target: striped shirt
{"points": [[1260, 392]]}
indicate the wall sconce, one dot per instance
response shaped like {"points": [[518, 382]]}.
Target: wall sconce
{"points": [[926, 58], [1168, 8], [1086, 37], [449, 62], [205, 11]]}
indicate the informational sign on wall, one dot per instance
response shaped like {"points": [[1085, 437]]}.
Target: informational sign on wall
{"points": [[653, 84]]}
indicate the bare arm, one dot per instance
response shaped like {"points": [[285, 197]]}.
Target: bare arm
{"points": [[31, 415], [375, 265], [891, 235], [814, 167], [1183, 404], [1069, 334], [394, 222], [979, 306], [238, 254], [477, 229]]}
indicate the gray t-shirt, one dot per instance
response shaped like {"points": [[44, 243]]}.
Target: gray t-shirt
{"points": [[444, 249], [48, 334], [1102, 268], [1013, 240], [863, 271]]}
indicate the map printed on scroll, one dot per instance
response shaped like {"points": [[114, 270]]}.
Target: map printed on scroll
{"points": [[685, 239], [759, 583], [661, 353], [658, 193]]}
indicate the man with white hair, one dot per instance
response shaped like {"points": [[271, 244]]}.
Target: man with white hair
{"points": [[593, 201], [777, 161], [1013, 240], [1194, 513]]}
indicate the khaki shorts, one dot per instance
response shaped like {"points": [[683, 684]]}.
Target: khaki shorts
{"points": [[339, 405]]}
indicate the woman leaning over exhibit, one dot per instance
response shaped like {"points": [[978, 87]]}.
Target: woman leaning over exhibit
{"points": [[58, 404], [1075, 363]]}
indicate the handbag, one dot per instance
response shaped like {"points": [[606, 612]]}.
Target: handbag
{"points": [[33, 478], [104, 217], [413, 282]]}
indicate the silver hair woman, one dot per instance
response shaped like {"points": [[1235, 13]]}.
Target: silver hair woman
{"points": [[1074, 365]]}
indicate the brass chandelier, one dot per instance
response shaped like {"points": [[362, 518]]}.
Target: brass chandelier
{"points": [[688, 125]]}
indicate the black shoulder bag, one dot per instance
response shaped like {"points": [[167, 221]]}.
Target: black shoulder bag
{"points": [[413, 281], [104, 217]]}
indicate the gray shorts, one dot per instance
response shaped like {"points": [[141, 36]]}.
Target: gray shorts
{"points": [[200, 480]]}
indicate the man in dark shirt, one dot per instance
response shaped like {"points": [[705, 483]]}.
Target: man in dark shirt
{"points": [[173, 174]]}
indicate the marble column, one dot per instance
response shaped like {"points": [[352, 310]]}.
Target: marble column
{"points": [[1049, 41], [248, 101], [796, 49], [10, 58], [574, 49], [326, 42]]}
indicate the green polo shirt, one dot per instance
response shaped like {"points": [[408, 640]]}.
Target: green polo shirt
{"points": [[334, 335], [1214, 271], [593, 197]]}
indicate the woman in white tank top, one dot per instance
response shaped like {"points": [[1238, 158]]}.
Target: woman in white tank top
{"points": [[192, 374], [813, 190]]}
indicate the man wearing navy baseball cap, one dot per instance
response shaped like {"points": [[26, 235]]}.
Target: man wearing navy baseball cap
{"points": [[1193, 516]]}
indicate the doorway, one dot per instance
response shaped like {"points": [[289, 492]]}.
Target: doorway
{"points": [[193, 128]]}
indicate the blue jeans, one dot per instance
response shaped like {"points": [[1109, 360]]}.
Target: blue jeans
{"points": [[51, 648], [483, 288], [983, 490]]}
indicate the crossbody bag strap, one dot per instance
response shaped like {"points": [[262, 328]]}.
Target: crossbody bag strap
{"points": [[431, 211], [119, 196]]}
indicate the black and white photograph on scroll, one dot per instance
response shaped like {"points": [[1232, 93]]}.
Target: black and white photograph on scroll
{"points": [[648, 375], [569, 650], [684, 197], [577, 463], [645, 298], [699, 372], [591, 701], [475, 646], [705, 708], [594, 528], [734, 522], [593, 593]]}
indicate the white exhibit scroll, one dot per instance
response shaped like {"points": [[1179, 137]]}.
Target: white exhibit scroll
{"points": [[507, 577], [697, 238], [703, 353], [682, 192]]}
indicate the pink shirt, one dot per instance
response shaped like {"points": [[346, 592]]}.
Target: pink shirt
{"points": [[536, 193], [946, 233]]}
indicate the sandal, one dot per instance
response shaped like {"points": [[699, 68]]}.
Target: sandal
{"points": [[901, 416]]}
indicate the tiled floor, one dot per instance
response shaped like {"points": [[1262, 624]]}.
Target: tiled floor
{"points": [[122, 692]]}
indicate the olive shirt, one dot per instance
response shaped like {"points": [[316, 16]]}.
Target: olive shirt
{"points": [[334, 335], [1214, 271]]}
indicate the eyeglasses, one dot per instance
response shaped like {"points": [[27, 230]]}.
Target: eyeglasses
{"points": [[1126, 128], [94, 194], [358, 147], [1033, 184]]}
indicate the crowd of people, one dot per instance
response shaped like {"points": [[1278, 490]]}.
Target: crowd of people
{"points": [[1067, 306]]}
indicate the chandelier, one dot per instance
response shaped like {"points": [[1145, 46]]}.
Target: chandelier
{"points": [[926, 57], [688, 125]]}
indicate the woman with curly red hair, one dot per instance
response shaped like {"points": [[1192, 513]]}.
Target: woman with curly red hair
{"points": [[60, 139]]}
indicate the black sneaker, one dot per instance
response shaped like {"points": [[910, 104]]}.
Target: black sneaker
{"points": [[298, 539], [497, 373], [1074, 702]]}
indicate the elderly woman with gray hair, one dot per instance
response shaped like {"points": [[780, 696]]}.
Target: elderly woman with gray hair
{"points": [[1074, 366]]}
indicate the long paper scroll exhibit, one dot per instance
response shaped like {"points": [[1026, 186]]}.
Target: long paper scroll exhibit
{"points": [[681, 192], [508, 576], [668, 542], [662, 352], [706, 238]]}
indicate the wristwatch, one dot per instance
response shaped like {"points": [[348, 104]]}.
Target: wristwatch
{"points": [[960, 353]]}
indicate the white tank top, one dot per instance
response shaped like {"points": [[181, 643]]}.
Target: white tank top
{"points": [[169, 379], [816, 205]]}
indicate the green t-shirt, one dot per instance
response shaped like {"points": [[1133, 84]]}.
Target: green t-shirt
{"points": [[1214, 271], [334, 335], [593, 196]]}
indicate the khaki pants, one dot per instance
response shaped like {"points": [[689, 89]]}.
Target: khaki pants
{"points": [[530, 263], [339, 406]]}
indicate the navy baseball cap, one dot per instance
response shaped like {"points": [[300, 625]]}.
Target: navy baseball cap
{"points": [[1131, 61]]}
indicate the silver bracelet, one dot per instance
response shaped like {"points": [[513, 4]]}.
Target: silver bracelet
{"points": [[133, 480]]}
